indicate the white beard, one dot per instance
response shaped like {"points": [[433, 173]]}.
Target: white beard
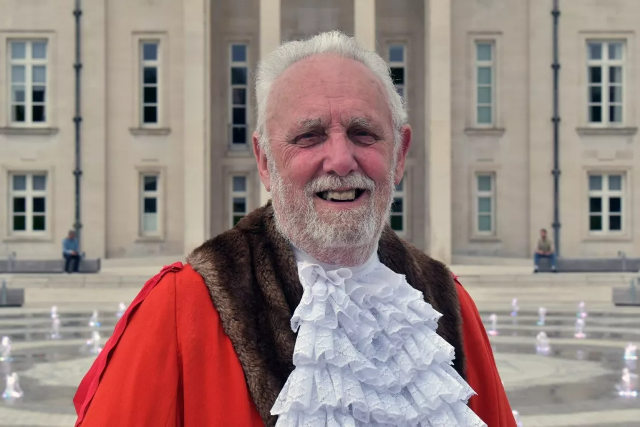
{"points": [[346, 237]]}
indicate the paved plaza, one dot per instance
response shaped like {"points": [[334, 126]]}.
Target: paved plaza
{"points": [[575, 385]]}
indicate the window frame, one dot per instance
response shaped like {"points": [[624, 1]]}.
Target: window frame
{"points": [[477, 194], [142, 64], [29, 194], [158, 194], [605, 63], [402, 194], [230, 87], [605, 194], [238, 194], [399, 64], [492, 65], [28, 63]]}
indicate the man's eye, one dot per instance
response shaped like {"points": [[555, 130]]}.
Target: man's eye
{"points": [[309, 138], [363, 137]]}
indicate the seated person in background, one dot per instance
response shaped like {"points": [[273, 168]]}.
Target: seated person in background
{"points": [[544, 250], [70, 252]]}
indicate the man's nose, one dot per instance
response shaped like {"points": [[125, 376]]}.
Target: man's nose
{"points": [[339, 155]]}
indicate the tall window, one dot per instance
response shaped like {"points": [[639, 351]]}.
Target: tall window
{"points": [[28, 203], [485, 83], [398, 209], [238, 105], [605, 73], [485, 204], [150, 77], [398, 65], [606, 194], [28, 76], [150, 203], [239, 198]]}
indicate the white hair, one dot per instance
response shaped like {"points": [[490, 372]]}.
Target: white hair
{"points": [[333, 42]]}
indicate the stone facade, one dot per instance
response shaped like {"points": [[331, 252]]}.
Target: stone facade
{"points": [[473, 187]]}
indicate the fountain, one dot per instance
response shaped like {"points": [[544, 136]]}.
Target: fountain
{"points": [[54, 333], [94, 343], [94, 322], [582, 312], [542, 344], [494, 325], [628, 387], [12, 390], [121, 309], [630, 352], [5, 349], [514, 307], [580, 328], [516, 416], [542, 312]]}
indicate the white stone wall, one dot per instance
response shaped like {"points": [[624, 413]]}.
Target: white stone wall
{"points": [[191, 147]]}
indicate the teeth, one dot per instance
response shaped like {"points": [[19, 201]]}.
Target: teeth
{"points": [[339, 195]]}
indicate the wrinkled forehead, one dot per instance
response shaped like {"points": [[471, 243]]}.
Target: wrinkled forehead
{"points": [[325, 87]]}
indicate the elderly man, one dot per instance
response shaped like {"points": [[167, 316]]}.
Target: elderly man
{"points": [[311, 311]]}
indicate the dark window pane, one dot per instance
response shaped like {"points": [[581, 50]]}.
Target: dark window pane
{"points": [[615, 223], [38, 93], [239, 135], [595, 204], [595, 94], [38, 113], [150, 51], [595, 223], [239, 116], [150, 95], [239, 96], [17, 113], [595, 114], [615, 74], [615, 113], [397, 223], [615, 204], [615, 94], [39, 223], [397, 75], [150, 75], [19, 223], [595, 75], [19, 204], [239, 53], [150, 205], [150, 115], [239, 75], [239, 205], [150, 183], [236, 219], [39, 205], [397, 205]]}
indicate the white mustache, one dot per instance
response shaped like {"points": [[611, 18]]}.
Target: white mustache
{"points": [[331, 182]]}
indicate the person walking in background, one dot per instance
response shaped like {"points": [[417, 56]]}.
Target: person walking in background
{"points": [[70, 253], [544, 250]]}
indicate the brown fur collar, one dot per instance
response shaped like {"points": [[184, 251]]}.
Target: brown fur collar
{"points": [[252, 278]]}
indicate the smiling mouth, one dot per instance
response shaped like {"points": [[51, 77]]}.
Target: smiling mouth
{"points": [[341, 196]]}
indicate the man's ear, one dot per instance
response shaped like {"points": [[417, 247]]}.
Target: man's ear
{"points": [[405, 144], [261, 160]]}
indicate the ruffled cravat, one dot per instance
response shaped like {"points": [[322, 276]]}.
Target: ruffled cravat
{"points": [[367, 354]]}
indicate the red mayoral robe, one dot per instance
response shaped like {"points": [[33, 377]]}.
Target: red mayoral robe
{"points": [[169, 363]]}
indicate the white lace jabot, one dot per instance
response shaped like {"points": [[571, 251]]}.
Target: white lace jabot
{"points": [[367, 354]]}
